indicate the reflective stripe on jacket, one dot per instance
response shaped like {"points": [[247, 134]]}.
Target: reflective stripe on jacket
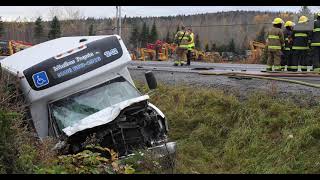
{"points": [[275, 39], [191, 42], [183, 38], [301, 40], [315, 40]]}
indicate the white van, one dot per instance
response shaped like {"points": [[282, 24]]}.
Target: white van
{"points": [[79, 87]]}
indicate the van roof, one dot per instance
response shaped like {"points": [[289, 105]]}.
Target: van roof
{"points": [[31, 56]]}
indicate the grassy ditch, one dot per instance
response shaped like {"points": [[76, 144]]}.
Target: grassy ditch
{"points": [[217, 133]]}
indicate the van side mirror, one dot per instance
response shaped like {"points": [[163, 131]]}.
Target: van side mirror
{"points": [[151, 80]]}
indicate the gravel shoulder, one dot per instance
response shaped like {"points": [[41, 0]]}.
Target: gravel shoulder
{"points": [[239, 87]]}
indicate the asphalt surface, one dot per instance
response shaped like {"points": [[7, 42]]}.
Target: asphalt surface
{"points": [[197, 67], [166, 73]]}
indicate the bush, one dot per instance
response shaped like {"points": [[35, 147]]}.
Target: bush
{"points": [[20, 152], [87, 162]]}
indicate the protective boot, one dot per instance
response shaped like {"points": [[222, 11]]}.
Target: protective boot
{"points": [[309, 68], [276, 68], [269, 68], [299, 69], [176, 63]]}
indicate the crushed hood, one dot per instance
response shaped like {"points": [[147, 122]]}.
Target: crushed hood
{"points": [[102, 117]]}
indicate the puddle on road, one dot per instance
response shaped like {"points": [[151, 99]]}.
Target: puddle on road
{"points": [[202, 68]]}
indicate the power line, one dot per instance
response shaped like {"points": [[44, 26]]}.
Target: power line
{"points": [[212, 25]]}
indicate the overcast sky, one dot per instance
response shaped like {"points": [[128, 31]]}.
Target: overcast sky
{"points": [[30, 12]]}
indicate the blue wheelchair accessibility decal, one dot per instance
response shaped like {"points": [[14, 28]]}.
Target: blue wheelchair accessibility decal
{"points": [[40, 79]]}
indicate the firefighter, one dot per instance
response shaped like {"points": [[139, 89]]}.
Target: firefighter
{"points": [[182, 38], [300, 47], [191, 47], [275, 43], [315, 44], [287, 33], [158, 46]]}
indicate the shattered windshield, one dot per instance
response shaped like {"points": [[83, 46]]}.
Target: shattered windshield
{"points": [[72, 109]]}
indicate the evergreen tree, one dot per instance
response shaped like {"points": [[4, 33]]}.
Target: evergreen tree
{"points": [[55, 31], [168, 40], [207, 47], [305, 11], [153, 34], [91, 32], [222, 48], [1, 28], [38, 30], [213, 47], [173, 36], [147, 34], [178, 28], [261, 35], [144, 35], [197, 42], [133, 37], [231, 46]]}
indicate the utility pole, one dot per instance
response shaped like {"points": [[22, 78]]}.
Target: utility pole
{"points": [[118, 20]]}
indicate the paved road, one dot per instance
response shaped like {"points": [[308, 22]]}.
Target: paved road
{"points": [[166, 73], [197, 67], [215, 66]]}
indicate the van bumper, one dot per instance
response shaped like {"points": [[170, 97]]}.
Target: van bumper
{"points": [[165, 149]]}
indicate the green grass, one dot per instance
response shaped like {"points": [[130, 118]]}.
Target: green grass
{"points": [[217, 133]]}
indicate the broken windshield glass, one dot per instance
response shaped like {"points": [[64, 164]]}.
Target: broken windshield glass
{"points": [[72, 109]]}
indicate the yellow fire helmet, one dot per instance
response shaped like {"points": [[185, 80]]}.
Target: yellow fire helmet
{"points": [[277, 21], [303, 19], [289, 24]]}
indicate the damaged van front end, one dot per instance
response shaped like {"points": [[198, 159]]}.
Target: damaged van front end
{"points": [[113, 115]]}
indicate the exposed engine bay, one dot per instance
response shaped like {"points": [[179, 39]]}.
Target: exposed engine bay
{"points": [[138, 126]]}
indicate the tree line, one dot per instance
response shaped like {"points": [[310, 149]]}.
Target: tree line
{"points": [[138, 31], [54, 30], [139, 36]]}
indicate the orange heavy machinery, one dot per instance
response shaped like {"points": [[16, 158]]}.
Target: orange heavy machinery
{"points": [[146, 53], [199, 55], [165, 50], [10, 47], [257, 49]]}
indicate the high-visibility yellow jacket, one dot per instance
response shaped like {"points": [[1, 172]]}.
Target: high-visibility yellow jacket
{"points": [[191, 43], [275, 39], [183, 38]]}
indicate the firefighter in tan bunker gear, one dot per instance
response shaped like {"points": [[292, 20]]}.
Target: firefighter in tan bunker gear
{"points": [[275, 44], [182, 38]]}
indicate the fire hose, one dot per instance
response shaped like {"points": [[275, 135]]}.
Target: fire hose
{"points": [[260, 76]]}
